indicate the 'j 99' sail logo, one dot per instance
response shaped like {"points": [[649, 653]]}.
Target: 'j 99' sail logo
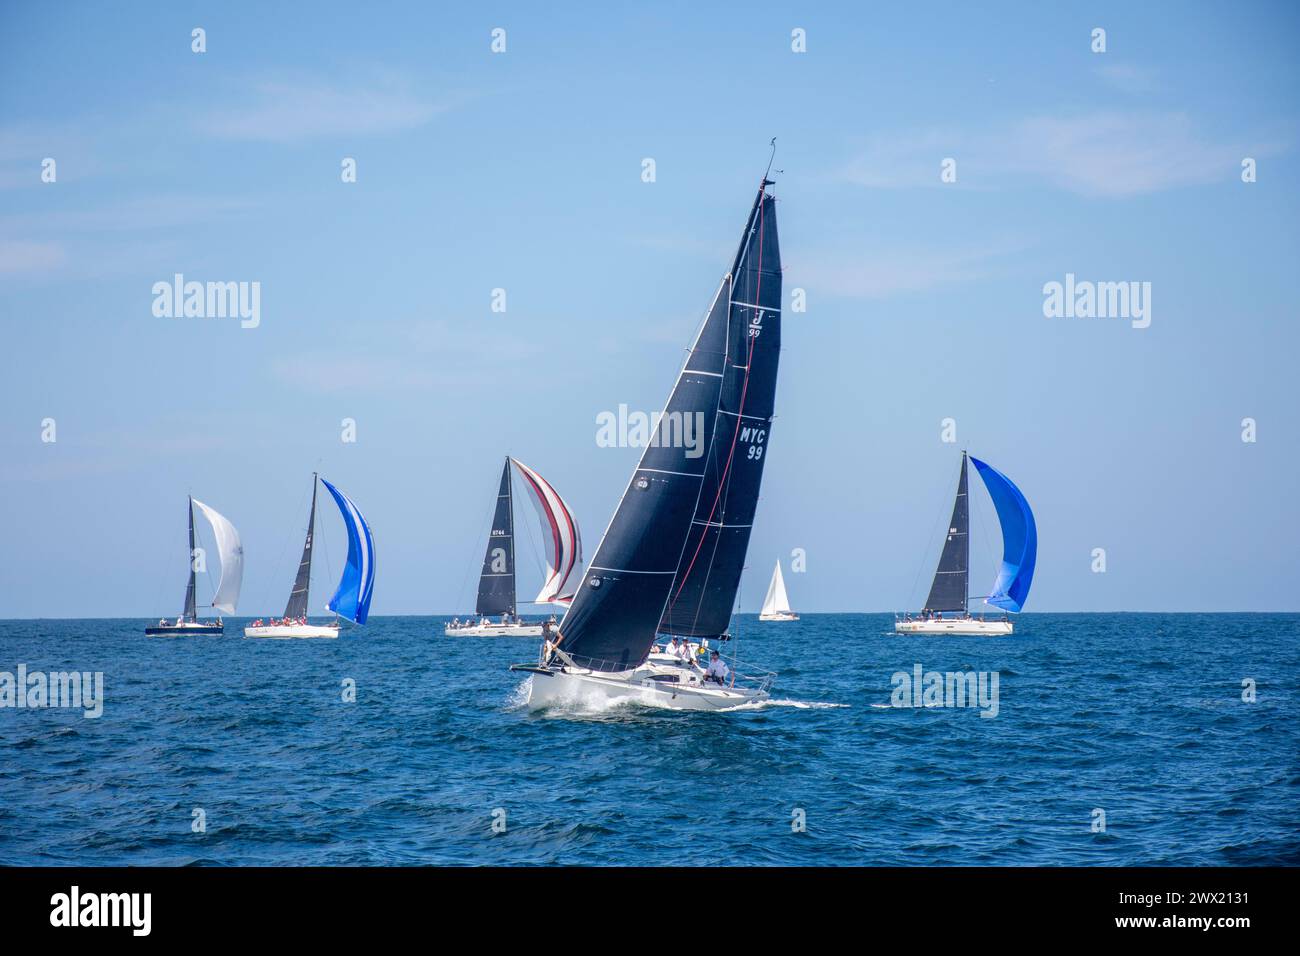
{"points": [[756, 324], [754, 438]]}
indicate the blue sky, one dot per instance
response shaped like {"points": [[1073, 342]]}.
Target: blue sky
{"points": [[522, 171]]}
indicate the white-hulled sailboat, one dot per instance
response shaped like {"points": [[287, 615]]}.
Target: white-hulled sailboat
{"points": [[671, 558], [776, 606], [497, 595], [351, 599], [226, 597], [948, 593]]}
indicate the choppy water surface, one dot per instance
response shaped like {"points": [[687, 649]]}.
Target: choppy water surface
{"points": [[1140, 715]]}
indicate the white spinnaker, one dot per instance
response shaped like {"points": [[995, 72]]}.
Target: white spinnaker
{"points": [[777, 601], [559, 531], [231, 553]]}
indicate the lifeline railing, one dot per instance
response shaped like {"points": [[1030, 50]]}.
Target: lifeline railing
{"points": [[760, 681]]}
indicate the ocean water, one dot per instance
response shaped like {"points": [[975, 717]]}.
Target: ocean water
{"points": [[1138, 715]]}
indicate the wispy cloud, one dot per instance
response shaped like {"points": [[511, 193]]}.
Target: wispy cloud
{"points": [[289, 109], [23, 146], [140, 214], [1127, 78], [1120, 154], [1105, 154], [110, 239], [28, 256], [881, 273], [415, 355]]}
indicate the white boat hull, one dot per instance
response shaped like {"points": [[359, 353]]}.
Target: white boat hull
{"points": [[284, 631], [650, 684], [955, 626], [779, 616], [494, 630]]}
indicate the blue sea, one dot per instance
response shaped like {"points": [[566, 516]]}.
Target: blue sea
{"points": [[437, 761]]}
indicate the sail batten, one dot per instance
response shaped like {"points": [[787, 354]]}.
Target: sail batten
{"points": [[626, 591], [356, 587], [231, 554], [951, 585], [1019, 539]]}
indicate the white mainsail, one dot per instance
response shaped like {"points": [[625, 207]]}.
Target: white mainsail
{"points": [[231, 553], [777, 601]]}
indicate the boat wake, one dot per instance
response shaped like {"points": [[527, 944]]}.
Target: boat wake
{"points": [[783, 702]]}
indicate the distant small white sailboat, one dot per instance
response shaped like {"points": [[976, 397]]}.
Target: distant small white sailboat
{"points": [[497, 594], [948, 593], [776, 606], [351, 599], [231, 555]]}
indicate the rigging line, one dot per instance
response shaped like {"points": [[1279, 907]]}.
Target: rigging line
{"points": [[744, 391], [460, 593], [284, 543], [938, 513]]}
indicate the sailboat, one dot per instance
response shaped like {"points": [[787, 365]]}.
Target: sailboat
{"points": [[226, 597], [497, 593], [776, 606], [671, 557], [948, 593], [351, 598]]}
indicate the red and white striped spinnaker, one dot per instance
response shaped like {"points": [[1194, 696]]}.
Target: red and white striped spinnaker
{"points": [[559, 530]]}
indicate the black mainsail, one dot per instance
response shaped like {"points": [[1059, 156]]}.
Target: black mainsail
{"points": [[709, 570], [297, 606], [650, 556], [496, 586], [951, 579], [191, 612]]}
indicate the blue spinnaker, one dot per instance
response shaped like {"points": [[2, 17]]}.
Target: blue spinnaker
{"points": [[352, 598], [1019, 539]]}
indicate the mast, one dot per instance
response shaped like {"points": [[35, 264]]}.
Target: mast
{"points": [[510, 503], [297, 606], [191, 611], [951, 579]]}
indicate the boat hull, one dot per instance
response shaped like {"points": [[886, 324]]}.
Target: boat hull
{"points": [[645, 685], [779, 616], [494, 630], [185, 630], [955, 626], [289, 631]]}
